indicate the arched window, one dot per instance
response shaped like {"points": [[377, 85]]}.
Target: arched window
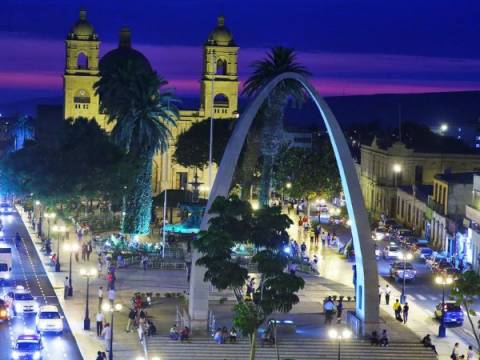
{"points": [[221, 67], [220, 100], [82, 97], [82, 61]]}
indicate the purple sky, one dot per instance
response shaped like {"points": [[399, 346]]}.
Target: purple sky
{"points": [[350, 48]]}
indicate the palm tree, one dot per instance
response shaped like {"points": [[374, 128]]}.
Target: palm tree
{"points": [[278, 61], [142, 114]]}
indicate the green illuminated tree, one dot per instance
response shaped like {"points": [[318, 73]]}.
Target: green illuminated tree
{"points": [[142, 114]]}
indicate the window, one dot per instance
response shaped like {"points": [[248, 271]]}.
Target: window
{"points": [[221, 67], [220, 100], [82, 61]]}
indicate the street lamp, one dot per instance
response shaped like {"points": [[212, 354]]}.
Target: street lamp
{"points": [[404, 257], [443, 128], [443, 280], [397, 169], [49, 216], [339, 335], [70, 248], [288, 185], [111, 308], [59, 229], [90, 273]]}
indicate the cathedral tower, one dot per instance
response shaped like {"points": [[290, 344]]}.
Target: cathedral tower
{"points": [[219, 91], [81, 71]]}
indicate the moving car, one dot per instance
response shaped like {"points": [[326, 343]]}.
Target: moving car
{"points": [[336, 220], [396, 271], [392, 251], [380, 233], [5, 263], [27, 347], [404, 235], [49, 319], [453, 313], [21, 301], [424, 253], [6, 208]]}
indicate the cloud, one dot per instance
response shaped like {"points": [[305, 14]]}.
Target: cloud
{"points": [[37, 64]]}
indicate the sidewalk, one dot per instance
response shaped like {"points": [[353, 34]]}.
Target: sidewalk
{"points": [[125, 345]]}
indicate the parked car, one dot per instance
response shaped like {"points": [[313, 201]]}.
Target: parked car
{"points": [[404, 235], [453, 313], [336, 220], [424, 253], [392, 251], [391, 224], [440, 266], [397, 271]]}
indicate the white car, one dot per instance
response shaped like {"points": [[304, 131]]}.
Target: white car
{"points": [[49, 319], [27, 347], [21, 301], [380, 233], [6, 208], [392, 251]]}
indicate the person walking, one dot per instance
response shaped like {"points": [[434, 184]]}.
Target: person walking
{"points": [[99, 319], [388, 291], [66, 284], [380, 292], [145, 262], [84, 252], [329, 309], [107, 335], [339, 310], [406, 308], [131, 318], [89, 250], [455, 352], [397, 308], [470, 353], [100, 297], [323, 238], [111, 295]]}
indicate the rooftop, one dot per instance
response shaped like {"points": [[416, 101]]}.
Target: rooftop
{"points": [[421, 191]]}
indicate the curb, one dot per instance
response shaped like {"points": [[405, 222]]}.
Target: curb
{"points": [[40, 256]]}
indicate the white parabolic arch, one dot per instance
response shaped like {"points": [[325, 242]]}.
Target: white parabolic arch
{"points": [[367, 276]]}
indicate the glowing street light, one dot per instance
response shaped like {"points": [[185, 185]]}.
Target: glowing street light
{"points": [[288, 185], [90, 273], [59, 229], [404, 257], [335, 334], [255, 205], [111, 308], [397, 169], [443, 280], [443, 128]]}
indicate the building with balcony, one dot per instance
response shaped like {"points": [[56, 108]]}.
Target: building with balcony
{"points": [[384, 168], [472, 222], [451, 193]]}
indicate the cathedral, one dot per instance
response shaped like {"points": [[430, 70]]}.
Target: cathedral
{"points": [[218, 90]]}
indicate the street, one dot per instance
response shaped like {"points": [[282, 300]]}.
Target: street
{"points": [[28, 272]]}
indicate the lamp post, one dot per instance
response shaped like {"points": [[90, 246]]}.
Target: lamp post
{"points": [[404, 257], [111, 308], [48, 216], [335, 334], [90, 273], [59, 229], [443, 280], [70, 248], [397, 169]]}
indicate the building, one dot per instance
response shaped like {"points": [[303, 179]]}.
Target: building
{"points": [[451, 193], [383, 169], [472, 222], [218, 90], [411, 207]]}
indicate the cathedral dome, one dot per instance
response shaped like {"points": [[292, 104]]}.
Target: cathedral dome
{"points": [[82, 29], [124, 54], [221, 35]]}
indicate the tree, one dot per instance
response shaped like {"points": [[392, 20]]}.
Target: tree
{"points": [[235, 223], [464, 291], [142, 114], [311, 172], [280, 60], [192, 148]]}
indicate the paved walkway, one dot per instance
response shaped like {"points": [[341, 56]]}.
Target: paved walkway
{"points": [[129, 280]]}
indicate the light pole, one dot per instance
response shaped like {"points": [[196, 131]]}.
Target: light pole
{"points": [[49, 216], [70, 248], [397, 169], [404, 257], [335, 334], [210, 148], [111, 308], [164, 233], [59, 229], [90, 273], [443, 280]]}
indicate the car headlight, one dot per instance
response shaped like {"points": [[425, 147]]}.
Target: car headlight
{"points": [[36, 355], [15, 355]]}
